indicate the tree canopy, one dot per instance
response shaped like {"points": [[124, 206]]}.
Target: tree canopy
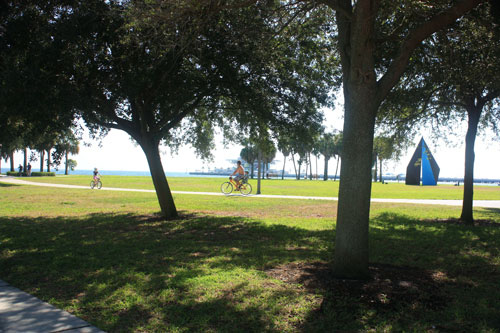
{"points": [[168, 73]]}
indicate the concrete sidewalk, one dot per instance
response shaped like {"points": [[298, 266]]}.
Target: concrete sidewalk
{"points": [[21, 312]]}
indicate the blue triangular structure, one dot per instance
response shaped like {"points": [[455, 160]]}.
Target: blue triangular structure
{"points": [[423, 162]]}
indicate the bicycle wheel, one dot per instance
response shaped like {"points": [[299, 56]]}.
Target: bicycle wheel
{"points": [[226, 188], [92, 184], [99, 184], [246, 189]]}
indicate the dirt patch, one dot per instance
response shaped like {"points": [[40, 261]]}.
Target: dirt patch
{"points": [[304, 210], [388, 287]]}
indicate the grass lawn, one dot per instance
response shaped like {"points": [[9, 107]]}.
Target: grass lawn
{"points": [[233, 264], [284, 187]]}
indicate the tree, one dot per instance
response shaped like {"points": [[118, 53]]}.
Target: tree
{"points": [[167, 73], [71, 164], [265, 150], [458, 80], [386, 148], [337, 144], [268, 154], [66, 144], [249, 154], [34, 92], [375, 40], [326, 147], [2, 155], [284, 146], [470, 66]]}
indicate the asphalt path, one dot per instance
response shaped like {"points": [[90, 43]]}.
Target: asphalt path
{"points": [[477, 203]]}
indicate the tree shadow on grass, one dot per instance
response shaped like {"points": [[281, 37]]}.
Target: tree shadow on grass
{"points": [[129, 272], [205, 273], [425, 275], [8, 185], [491, 214]]}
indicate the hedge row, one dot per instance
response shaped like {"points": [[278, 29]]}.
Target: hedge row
{"points": [[33, 174]]}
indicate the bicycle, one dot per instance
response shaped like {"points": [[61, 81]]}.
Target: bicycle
{"points": [[96, 183], [244, 187]]}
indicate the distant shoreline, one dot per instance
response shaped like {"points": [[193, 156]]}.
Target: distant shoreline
{"points": [[442, 180]]}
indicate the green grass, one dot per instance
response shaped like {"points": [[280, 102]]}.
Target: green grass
{"points": [[286, 187], [106, 257]]}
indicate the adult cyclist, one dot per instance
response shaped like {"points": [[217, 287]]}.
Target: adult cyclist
{"points": [[239, 173]]}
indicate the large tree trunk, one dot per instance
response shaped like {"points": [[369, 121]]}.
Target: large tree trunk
{"points": [[25, 161], [305, 168], [336, 169], [11, 158], [310, 168], [317, 168], [283, 172], [474, 113], [380, 171], [351, 241], [42, 157], [325, 173], [356, 46], [165, 198], [295, 167], [259, 171], [48, 159], [66, 163]]}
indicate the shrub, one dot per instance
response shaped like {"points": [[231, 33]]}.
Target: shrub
{"points": [[14, 173], [33, 174], [43, 174]]}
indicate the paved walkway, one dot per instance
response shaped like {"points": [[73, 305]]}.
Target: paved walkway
{"points": [[21, 312], [477, 203]]}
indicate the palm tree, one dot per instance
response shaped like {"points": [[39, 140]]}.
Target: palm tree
{"points": [[268, 154], [326, 147], [249, 155], [67, 144], [338, 144], [73, 149], [284, 146]]}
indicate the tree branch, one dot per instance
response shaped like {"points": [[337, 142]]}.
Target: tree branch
{"points": [[334, 4], [173, 121], [436, 23]]}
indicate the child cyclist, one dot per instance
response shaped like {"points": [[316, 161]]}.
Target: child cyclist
{"points": [[97, 175]]}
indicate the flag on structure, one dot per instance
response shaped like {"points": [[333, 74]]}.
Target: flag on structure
{"points": [[422, 162]]}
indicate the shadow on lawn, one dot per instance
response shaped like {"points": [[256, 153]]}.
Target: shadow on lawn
{"points": [[125, 272], [8, 185], [419, 269]]}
